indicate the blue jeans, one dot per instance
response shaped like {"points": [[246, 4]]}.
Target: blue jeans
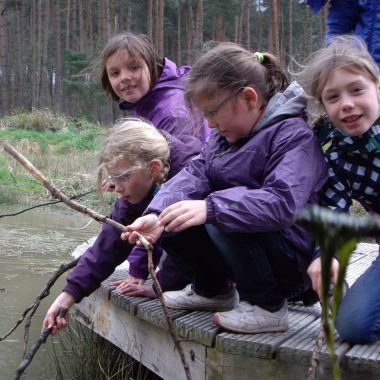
{"points": [[263, 265], [358, 318]]}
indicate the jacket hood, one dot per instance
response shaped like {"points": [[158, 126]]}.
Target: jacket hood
{"points": [[283, 105], [172, 77]]}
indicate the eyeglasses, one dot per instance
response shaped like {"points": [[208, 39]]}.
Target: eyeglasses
{"points": [[121, 177], [210, 113]]}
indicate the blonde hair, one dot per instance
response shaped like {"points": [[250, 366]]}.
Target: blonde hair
{"points": [[139, 47], [229, 66], [345, 51], [139, 142]]}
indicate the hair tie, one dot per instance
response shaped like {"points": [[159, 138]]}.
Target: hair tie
{"points": [[259, 57]]}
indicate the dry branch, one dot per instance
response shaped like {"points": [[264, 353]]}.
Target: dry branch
{"points": [[101, 218]]}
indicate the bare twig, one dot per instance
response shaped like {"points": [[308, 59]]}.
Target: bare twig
{"points": [[101, 218], [41, 339], [169, 321], [44, 293], [316, 357]]}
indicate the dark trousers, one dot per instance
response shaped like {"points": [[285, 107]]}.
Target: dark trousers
{"points": [[263, 265]]}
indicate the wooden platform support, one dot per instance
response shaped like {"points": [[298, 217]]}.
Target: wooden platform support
{"points": [[137, 326]]}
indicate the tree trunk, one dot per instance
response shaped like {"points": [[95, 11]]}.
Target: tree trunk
{"points": [[3, 54], [246, 25], [89, 29], [161, 10], [199, 23], [274, 28], [149, 23], [45, 77], [82, 33], [129, 18], [190, 31], [57, 86], [68, 15], [179, 24], [290, 35]]}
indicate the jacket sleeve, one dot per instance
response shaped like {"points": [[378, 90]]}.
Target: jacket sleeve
{"points": [[295, 170], [191, 183], [138, 261], [342, 18], [108, 251]]}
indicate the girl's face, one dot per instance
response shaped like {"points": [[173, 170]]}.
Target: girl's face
{"points": [[129, 78], [352, 101], [234, 114], [133, 185]]}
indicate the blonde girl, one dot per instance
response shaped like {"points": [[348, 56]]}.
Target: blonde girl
{"points": [[136, 158]]}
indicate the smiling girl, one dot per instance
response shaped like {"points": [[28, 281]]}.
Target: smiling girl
{"points": [[152, 87], [344, 79]]}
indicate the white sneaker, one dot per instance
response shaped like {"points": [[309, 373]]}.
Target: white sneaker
{"points": [[250, 319], [189, 300]]}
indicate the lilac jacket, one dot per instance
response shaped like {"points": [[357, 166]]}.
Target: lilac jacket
{"points": [[165, 107], [260, 182]]}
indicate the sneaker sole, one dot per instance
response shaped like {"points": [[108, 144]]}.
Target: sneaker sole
{"points": [[198, 308], [216, 321]]}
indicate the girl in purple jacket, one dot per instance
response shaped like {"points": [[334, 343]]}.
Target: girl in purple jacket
{"points": [[152, 87], [229, 216], [136, 158]]}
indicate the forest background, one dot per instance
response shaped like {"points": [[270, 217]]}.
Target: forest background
{"points": [[47, 46]]}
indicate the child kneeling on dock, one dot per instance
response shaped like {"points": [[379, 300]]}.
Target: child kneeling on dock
{"points": [[229, 216], [344, 79], [136, 158]]}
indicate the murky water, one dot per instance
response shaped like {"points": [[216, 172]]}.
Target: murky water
{"points": [[32, 246]]}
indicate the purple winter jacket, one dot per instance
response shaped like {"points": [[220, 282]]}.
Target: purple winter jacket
{"points": [[259, 183], [165, 107]]}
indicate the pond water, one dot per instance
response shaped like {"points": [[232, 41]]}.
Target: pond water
{"points": [[32, 246]]}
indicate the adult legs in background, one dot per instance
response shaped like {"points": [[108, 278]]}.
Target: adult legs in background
{"points": [[358, 318]]}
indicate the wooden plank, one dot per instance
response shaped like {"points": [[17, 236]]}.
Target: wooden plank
{"points": [[152, 312], [197, 326], [364, 360], [265, 345], [148, 344]]}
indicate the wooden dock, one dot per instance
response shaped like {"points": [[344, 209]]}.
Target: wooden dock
{"points": [[137, 326]]}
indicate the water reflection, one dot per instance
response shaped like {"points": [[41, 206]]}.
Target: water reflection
{"points": [[32, 246]]}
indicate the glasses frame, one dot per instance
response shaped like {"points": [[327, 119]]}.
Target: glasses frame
{"points": [[124, 177], [210, 113]]}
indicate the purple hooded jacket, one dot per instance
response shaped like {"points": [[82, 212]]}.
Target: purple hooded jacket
{"points": [[259, 183], [165, 107]]}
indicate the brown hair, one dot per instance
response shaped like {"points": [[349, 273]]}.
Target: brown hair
{"points": [[345, 51], [139, 47], [229, 66]]}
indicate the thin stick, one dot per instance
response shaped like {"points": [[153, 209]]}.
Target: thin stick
{"points": [[101, 218], [169, 321], [316, 357], [44, 293], [41, 339]]}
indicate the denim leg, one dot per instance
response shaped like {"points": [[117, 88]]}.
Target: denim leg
{"points": [[264, 265], [358, 318], [194, 252]]}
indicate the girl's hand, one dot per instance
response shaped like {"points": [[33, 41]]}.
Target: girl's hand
{"points": [[137, 290], [147, 225], [129, 280], [52, 318], [315, 273], [108, 186], [183, 214]]}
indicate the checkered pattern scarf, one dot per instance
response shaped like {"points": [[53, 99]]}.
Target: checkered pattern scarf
{"points": [[354, 170]]}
